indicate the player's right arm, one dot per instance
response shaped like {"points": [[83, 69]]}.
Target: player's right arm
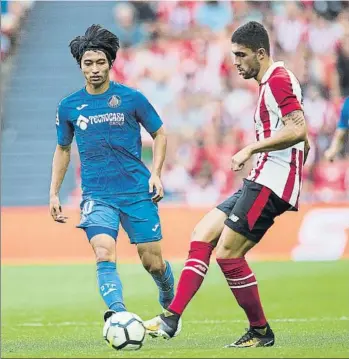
{"points": [[293, 132], [340, 133], [60, 163]]}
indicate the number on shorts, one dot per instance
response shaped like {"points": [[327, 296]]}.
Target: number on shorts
{"points": [[87, 208]]}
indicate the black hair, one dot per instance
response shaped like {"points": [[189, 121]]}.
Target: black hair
{"points": [[252, 35], [96, 38]]}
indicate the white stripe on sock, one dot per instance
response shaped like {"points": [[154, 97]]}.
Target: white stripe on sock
{"points": [[238, 279], [198, 261], [243, 286], [194, 270]]}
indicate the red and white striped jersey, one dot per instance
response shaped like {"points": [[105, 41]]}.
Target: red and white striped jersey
{"points": [[281, 171]]}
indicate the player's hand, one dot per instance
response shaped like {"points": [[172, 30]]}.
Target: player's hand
{"points": [[239, 159], [155, 181], [56, 210], [330, 154]]}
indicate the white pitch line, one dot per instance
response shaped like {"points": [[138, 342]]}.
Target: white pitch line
{"points": [[299, 320], [206, 321]]}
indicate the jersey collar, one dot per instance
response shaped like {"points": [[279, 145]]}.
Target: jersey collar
{"points": [[110, 90], [270, 70]]}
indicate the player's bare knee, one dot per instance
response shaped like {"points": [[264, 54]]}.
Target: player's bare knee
{"points": [[202, 235], [234, 248], [104, 248], [210, 227], [226, 252], [104, 254]]}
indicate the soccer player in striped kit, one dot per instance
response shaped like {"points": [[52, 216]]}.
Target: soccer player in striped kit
{"points": [[272, 188]]}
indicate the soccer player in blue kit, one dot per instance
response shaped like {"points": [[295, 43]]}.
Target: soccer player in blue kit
{"points": [[105, 118], [340, 133]]}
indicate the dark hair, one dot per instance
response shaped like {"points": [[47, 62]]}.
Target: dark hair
{"points": [[252, 35], [95, 38]]}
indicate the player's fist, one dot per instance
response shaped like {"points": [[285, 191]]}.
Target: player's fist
{"points": [[239, 159], [56, 210], [330, 154], [155, 181]]}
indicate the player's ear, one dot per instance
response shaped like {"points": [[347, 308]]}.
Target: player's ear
{"points": [[261, 54]]}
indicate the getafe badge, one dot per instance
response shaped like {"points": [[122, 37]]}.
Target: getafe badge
{"points": [[114, 101]]}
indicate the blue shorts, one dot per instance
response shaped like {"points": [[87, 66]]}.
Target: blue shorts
{"points": [[137, 214]]}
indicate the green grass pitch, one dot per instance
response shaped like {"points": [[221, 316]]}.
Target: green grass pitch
{"points": [[56, 312]]}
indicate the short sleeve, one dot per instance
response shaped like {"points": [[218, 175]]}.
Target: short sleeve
{"points": [[65, 128], [146, 114], [343, 122], [284, 92]]}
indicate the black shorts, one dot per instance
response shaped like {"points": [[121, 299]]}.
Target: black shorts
{"points": [[252, 209]]}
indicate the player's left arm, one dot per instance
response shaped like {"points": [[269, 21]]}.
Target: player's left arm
{"points": [[159, 154], [159, 148], [150, 120]]}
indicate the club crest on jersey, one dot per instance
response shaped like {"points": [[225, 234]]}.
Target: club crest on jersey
{"points": [[114, 101]]}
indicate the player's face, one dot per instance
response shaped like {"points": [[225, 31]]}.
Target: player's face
{"points": [[246, 61], [95, 67]]}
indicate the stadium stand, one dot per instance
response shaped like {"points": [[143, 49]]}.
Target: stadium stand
{"points": [[178, 55]]}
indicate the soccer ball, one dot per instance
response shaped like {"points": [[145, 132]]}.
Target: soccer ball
{"points": [[124, 330]]}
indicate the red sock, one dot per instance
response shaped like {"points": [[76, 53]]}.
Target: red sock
{"points": [[243, 284], [193, 274]]}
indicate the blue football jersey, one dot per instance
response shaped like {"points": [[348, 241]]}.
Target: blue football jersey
{"points": [[344, 117], [107, 132]]}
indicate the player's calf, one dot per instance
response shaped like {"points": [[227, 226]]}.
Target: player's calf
{"points": [[160, 270]]}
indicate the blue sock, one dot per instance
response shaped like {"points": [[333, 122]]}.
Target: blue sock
{"points": [[110, 286], [165, 284]]}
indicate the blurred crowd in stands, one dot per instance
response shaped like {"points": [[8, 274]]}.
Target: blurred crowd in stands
{"points": [[12, 15], [178, 54]]}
